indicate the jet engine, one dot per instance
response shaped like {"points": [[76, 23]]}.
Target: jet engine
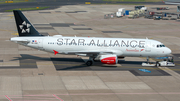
{"points": [[109, 59]]}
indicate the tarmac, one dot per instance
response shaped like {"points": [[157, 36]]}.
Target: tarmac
{"points": [[28, 74]]}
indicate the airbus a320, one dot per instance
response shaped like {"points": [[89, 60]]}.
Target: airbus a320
{"points": [[107, 50]]}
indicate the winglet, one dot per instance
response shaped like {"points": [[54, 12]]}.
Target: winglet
{"points": [[55, 52]]}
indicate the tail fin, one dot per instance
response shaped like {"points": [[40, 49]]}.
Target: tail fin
{"points": [[24, 27]]}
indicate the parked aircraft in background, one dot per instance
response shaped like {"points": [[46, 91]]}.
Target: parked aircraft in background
{"points": [[172, 2], [107, 50]]}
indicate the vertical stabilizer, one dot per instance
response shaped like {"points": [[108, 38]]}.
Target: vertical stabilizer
{"points": [[24, 27]]}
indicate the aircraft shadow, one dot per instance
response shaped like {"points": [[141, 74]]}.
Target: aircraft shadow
{"points": [[77, 64], [36, 58], [70, 63], [130, 62]]}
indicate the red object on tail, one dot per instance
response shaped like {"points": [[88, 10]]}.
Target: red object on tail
{"points": [[55, 52]]}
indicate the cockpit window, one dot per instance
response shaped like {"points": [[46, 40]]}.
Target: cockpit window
{"points": [[158, 46], [163, 45]]}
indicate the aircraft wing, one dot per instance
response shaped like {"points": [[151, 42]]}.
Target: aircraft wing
{"points": [[92, 53], [89, 52]]}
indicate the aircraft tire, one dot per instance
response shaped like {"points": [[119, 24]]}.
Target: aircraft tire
{"points": [[157, 63], [89, 62]]}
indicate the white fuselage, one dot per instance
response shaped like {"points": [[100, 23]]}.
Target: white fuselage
{"points": [[79, 45]]}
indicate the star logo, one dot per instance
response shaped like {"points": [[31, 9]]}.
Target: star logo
{"points": [[25, 27]]}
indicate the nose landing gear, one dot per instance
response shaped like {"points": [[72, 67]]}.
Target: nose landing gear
{"points": [[147, 59]]}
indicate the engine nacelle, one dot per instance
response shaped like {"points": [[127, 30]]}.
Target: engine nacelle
{"points": [[109, 59]]}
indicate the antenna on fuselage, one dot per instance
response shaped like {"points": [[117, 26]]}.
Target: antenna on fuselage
{"points": [[146, 38]]}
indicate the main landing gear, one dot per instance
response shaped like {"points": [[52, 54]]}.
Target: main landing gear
{"points": [[90, 61]]}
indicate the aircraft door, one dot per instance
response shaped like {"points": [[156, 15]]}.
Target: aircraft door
{"points": [[40, 43], [148, 46]]}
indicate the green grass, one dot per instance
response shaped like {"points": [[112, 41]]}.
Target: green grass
{"points": [[27, 9], [135, 0], [116, 4]]}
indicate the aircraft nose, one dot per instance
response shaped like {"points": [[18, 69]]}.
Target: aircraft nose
{"points": [[168, 51]]}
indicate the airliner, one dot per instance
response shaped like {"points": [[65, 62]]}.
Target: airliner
{"points": [[172, 2], [107, 50]]}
